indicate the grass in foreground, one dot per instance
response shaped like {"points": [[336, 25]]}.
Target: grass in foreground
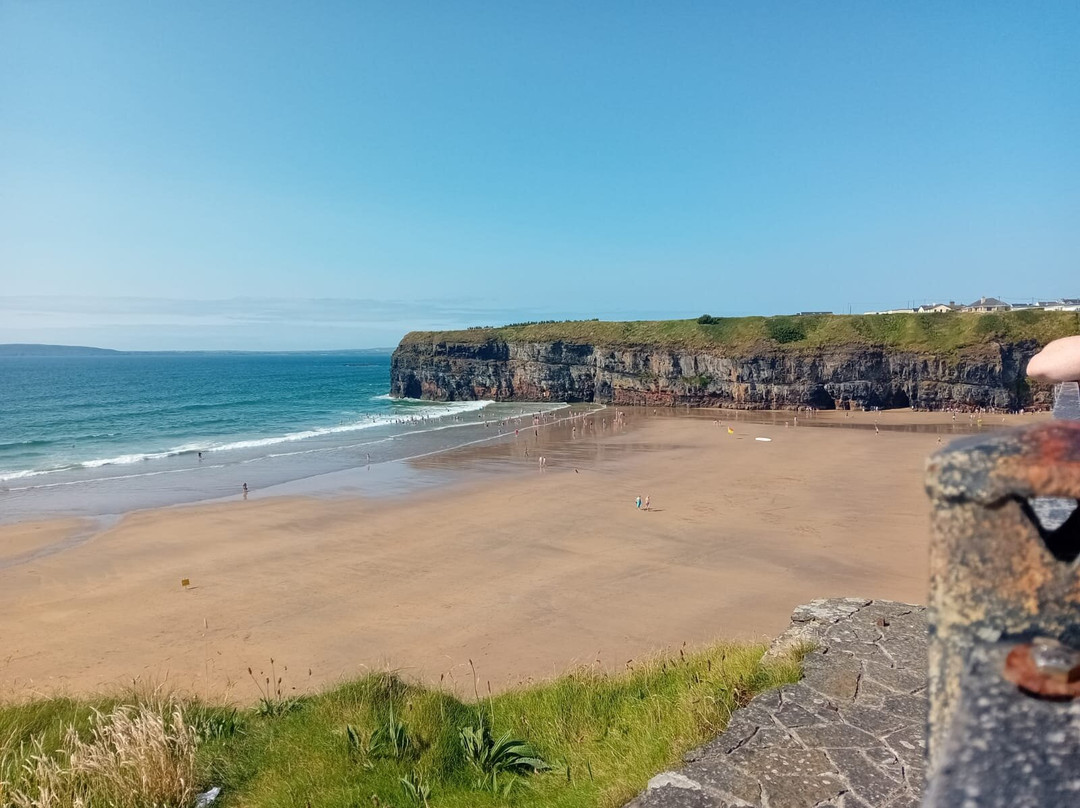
{"points": [[584, 739]]}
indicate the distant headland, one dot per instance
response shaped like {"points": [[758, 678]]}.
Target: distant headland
{"points": [[22, 349], [36, 349]]}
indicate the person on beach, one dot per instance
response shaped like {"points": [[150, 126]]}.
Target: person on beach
{"points": [[245, 489], [647, 501], [200, 455], [637, 502]]}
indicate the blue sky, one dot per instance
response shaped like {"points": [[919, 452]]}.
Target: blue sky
{"points": [[325, 175]]}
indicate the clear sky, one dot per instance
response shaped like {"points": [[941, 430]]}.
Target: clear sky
{"points": [[299, 175]]}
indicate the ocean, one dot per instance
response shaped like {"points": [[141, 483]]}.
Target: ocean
{"points": [[99, 435]]}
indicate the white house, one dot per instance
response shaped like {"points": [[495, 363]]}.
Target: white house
{"points": [[938, 308], [1065, 304]]}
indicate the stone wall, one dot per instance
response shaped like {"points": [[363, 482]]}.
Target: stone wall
{"points": [[849, 735]]}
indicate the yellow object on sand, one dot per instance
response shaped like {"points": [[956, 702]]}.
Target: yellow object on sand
{"points": [[730, 431]]}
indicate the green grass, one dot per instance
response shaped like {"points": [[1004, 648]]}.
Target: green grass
{"points": [[941, 334], [598, 738]]}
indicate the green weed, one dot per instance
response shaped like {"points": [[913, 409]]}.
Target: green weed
{"points": [[272, 699], [494, 759], [416, 791], [390, 739], [583, 739]]}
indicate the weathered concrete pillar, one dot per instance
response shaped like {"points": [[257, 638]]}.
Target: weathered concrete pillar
{"points": [[1004, 572]]}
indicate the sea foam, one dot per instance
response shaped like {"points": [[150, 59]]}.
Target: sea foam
{"points": [[426, 414]]}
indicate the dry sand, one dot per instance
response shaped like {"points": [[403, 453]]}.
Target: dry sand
{"points": [[525, 573]]}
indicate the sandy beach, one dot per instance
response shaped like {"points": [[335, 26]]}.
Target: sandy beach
{"points": [[524, 572]]}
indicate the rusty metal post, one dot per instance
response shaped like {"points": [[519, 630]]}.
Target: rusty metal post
{"points": [[1004, 581]]}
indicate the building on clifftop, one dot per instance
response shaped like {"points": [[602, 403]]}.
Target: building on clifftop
{"points": [[987, 304]]}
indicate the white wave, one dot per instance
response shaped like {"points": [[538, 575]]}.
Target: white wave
{"points": [[430, 410], [18, 475], [123, 460], [115, 477], [545, 407]]}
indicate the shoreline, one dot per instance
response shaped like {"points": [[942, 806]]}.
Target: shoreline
{"points": [[526, 573], [177, 479]]}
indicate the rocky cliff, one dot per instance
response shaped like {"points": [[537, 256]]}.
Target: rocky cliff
{"points": [[755, 373]]}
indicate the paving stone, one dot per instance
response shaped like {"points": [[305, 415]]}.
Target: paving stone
{"points": [[836, 735], [838, 680], [726, 780], [893, 611], [791, 777], [803, 695], [849, 735], [904, 679], [913, 704], [885, 760], [771, 737], [844, 632], [876, 722], [799, 792], [849, 800], [863, 778], [792, 714], [868, 652], [741, 726], [675, 797], [828, 611], [873, 694], [908, 652], [908, 744], [905, 801]]}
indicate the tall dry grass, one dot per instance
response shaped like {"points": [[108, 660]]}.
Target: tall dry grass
{"points": [[140, 756]]}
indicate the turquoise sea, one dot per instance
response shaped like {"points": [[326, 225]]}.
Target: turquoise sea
{"points": [[105, 434]]}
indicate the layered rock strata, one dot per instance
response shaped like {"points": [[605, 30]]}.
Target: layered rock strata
{"points": [[986, 376]]}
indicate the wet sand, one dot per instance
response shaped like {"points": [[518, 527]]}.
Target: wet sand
{"points": [[524, 572]]}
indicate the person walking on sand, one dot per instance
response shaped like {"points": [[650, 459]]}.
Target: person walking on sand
{"points": [[245, 489], [647, 501], [637, 502]]}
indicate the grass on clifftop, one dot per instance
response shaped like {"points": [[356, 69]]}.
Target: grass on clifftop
{"points": [[586, 739], [935, 333]]}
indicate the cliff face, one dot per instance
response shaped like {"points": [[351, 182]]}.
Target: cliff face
{"points": [[987, 375]]}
